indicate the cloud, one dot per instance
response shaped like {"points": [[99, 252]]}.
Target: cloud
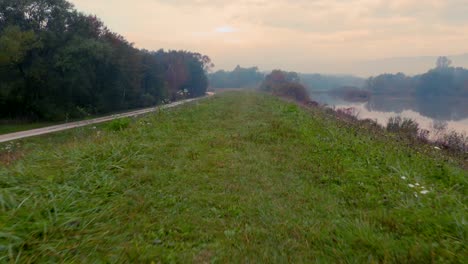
{"points": [[225, 29], [293, 33]]}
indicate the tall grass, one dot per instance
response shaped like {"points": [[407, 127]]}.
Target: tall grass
{"points": [[455, 143]]}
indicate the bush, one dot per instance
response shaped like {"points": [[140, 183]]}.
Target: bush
{"points": [[454, 141], [118, 124], [285, 84], [370, 123], [294, 91], [148, 100], [405, 126], [350, 112]]}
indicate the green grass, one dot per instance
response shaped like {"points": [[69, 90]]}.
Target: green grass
{"points": [[240, 177], [7, 127]]}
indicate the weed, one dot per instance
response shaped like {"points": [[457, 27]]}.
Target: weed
{"points": [[118, 124], [405, 126], [349, 113], [453, 141]]}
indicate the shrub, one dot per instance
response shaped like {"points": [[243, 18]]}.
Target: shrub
{"points": [[293, 91], [439, 125], [118, 124], [285, 84], [350, 112], [370, 123], [312, 103], [454, 141], [148, 100], [404, 126]]}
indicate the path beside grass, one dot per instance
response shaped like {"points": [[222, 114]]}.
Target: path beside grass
{"points": [[12, 128], [240, 177], [23, 131]]}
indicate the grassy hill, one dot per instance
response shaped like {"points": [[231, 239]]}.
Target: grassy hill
{"points": [[240, 177]]}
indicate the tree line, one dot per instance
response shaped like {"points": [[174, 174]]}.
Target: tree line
{"points": [[278, 82], [57, 63], [321, 82], [251, 77], [443, 80], [238, 78]]}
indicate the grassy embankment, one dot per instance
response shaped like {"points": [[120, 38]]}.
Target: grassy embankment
{"points": [[240, 177]]}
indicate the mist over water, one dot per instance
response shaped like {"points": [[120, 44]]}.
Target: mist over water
{"points": [[425, 111]]}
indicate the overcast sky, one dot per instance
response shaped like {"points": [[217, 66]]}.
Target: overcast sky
{"points": [[301, 35]]}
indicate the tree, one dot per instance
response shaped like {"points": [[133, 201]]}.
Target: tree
{"points": [[57, 63], [238, 78], [443, 62], [15, 45], [285, 84], [396, 84]]}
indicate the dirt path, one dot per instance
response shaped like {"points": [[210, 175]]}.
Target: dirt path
{"points": [[51, 129]]}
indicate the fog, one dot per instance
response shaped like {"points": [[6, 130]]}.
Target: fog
{"points": [[361, 37]]}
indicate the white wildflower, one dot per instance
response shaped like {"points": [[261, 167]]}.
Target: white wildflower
{"points": [[411, 185], [417, 184], [403, 177], [424, 192], [437, 148]]}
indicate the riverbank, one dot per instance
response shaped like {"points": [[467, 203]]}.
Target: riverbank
{"points": [[428, 113]]}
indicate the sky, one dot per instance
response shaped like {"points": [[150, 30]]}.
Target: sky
{"points": [[324, 36]]}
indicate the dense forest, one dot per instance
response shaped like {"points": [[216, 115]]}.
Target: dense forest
{"points": [[443, 80], [57, 63], [237, 78]]}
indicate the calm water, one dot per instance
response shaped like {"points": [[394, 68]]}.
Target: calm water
{"points": [[453, 111]]}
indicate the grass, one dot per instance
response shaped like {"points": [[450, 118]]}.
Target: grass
{"points": [[7, 127], [240, 177]]}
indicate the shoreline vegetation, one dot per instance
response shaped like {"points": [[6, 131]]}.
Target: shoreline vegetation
{"points": [[287, 85], [438, 133]]}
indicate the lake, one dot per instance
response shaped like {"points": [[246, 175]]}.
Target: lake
{"points": [[451, 110]]}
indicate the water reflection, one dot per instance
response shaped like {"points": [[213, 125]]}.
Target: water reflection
{"points": [[425, 111]]}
